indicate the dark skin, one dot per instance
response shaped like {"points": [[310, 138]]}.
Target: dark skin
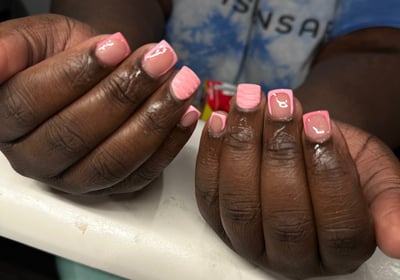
{"points": [[349, 77], [342, 203], [354, 200], [293, 206], [131, 126]]}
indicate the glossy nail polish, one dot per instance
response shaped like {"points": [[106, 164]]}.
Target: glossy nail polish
{"points": [[248, 96], [280, 104], [159, 59], [217, 122], [113, 50], [184, 84], [191, 116], [317, 126]]}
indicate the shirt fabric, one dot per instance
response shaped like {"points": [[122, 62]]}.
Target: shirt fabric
{"points": [[269, 42]]}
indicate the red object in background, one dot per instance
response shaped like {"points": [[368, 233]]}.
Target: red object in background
{"points": [[219, 95]]}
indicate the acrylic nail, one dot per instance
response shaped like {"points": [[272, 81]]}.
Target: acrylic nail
{"points": [[280, 104], [113, 50], [184, 84], [191, 116], [317, 126], [248, 96], [217, 123], [159, 59]]}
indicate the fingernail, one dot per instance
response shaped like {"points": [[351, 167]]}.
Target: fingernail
{"points": [[184, 83], [113, 50], [248, 96], [217, 122], [159, 59], [191, 116], [317, 126], [280, 104]]}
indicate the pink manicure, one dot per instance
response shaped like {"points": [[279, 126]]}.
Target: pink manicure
{"points": [[280, 104], [317, 126], [184, 83], [248, 96], [113, 50], [191, 116], [159, 59], [217, 122]]}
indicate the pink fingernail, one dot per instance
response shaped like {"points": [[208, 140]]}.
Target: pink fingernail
{"points": [[217, 122], [248, 96], [159, 59], [191, 116], [317, 126], [113, 50], [184, 83], [280, 104]]}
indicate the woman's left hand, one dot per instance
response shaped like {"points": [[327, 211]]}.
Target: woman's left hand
{"points": [[301, 201]]}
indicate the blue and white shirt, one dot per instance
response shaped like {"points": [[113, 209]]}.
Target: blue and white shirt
{"points": [[269, 42]]}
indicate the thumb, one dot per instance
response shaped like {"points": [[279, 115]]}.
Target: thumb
{"points": [[381, 174], [379, 171], [26, 41]]}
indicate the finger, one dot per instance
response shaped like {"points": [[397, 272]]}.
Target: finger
{"points": [[26, 41], [154, 166], [76, 130], [34, 95], [239, 173], [288, 223], [207, 171], [343, 221], [136, 140], [380, 177]]}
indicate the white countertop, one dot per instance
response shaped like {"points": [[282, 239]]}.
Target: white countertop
{"points": [[157, 234]]}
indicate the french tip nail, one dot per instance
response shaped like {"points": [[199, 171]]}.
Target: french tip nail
{"points": [[217, 122], [112, 50], [191, 116], [159, 60], [317, 126], [168, 45], [280, 104]]}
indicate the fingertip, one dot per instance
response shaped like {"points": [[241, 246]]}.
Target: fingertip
{"points": [[14, 56], [317, 126], [190, 117], [113, 49], [217, 123], [388, 235]]}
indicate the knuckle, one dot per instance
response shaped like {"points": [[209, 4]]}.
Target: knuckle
{"points": [[79, 70], [241, 137], [282, 147], [155, 121], [147, 174], [16, 109], [289, 226], [350, 247], [327, 164], [64, 136], [240, 208], [120, 88], [208, 196], [144, 176], [106, 169], [344, 240]]}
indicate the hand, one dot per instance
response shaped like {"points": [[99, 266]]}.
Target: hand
{"points": [[297, 202], [86, 116]]}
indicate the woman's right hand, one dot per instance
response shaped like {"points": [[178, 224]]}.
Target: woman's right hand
{"points": [[84, 114]]}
